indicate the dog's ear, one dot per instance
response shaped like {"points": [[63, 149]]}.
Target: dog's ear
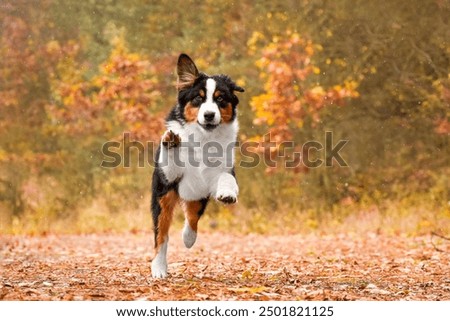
{"points": [[187, 72], [237, 88]]}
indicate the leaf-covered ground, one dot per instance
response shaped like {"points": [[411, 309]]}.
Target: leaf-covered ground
{"points": [[226, 267]]}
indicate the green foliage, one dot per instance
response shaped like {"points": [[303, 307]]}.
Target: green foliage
{"points": [[63, 66]]}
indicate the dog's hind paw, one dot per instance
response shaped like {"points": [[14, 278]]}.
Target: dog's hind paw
{"points": [[159, 269], [189, 236]]}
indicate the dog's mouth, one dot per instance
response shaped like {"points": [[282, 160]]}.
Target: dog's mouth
{"points": [[209, 126]]}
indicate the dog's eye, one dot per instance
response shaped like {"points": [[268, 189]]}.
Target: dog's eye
{"points": [[219, 99], [198, 99]]}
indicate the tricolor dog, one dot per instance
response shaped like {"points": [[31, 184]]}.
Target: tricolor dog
{"points": [[195, 159]]}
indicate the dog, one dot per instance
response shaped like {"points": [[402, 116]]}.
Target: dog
{"points": [[195, 158]]}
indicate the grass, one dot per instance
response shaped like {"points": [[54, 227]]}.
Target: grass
{"points": [[389, 217]]}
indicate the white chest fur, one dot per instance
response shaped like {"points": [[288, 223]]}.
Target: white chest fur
{"points": [[203, 161]]}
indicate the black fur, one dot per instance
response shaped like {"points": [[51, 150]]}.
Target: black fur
{"points": [[204, 202]]}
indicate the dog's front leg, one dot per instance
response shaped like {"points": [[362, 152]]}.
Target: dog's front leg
{"points": [[169, 158], [227, 189]]}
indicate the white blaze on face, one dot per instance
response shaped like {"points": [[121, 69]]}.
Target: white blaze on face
{"points": [[209, 106]]}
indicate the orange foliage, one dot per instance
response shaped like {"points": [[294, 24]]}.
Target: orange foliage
{"points": [[286, 67], [124, 93]]}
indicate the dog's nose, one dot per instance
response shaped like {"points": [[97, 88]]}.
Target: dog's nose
{"points": [[209, 116]]}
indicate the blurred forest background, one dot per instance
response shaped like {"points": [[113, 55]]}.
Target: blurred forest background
{"points": [[76, 74]]}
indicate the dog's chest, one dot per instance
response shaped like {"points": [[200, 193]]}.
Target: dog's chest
{"points": [[204, 156]]}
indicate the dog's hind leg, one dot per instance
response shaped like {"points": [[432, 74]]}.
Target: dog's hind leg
{"points": [[162, 208], [193, 210]]}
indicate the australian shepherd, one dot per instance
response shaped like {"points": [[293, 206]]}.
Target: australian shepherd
{"points": [[195, 158]]}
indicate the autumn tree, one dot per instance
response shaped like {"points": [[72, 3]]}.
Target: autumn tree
{"points": [[290, 98], [122, 97], [25, 150], [55, 114]]}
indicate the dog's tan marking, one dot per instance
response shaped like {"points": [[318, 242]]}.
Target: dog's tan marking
{"points": [[191, 210], [190, 113], [226, 113]]}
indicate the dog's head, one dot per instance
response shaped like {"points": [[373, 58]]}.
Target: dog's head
{"points": [[206, 100]]}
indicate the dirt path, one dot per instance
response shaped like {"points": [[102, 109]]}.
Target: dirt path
{"points": [[225, 267]]}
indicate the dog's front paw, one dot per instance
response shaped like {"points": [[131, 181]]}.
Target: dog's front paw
{"points": [[227, 197], [170, 139]]}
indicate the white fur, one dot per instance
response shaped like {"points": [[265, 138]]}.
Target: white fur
{"points": [[202, 181], [166, 159], [159, 262], [189, 235], [209, 106], [226, 186]]}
